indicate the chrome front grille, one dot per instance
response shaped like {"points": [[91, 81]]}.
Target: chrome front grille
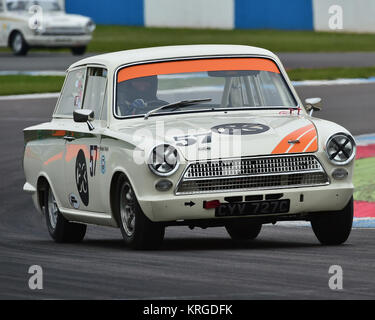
{"points": [[252, 173], [64, 31]]}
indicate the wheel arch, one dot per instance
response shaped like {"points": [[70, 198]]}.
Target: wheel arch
{"points": [[112, 195], [42, 185]]}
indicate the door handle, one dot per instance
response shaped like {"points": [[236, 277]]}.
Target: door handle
{"points": [[69, 138]]}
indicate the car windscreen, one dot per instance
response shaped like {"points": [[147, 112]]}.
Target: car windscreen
{"points": [[228, 82], [24, 5]]}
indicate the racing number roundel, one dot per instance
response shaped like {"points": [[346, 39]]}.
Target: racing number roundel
{"points": [[240, 128], [81, 177]]}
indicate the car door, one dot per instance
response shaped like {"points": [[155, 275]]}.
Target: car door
{"points": [[82, 157]]}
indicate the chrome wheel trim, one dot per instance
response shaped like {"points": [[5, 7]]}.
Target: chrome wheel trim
{"points": [[53, 210], [17, 43], [127, 209]]}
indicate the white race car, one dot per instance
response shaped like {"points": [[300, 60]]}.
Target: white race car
{"points": [[201, 136], [26, 24]]}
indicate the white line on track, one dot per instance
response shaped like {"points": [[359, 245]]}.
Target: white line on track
{"points": [[337, 82], [33, 73], [30, 96]]}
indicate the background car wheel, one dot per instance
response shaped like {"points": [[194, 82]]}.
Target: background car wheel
{"points": [[138, 231], [18, 44], [60, 229], [78, 51], [333, 228], [241, 231]]}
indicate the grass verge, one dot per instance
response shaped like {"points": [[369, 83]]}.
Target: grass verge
{"points": [[23, 84], [363, 179], [330, 73], [114, 38]]}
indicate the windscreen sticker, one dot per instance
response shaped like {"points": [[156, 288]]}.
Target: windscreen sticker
{"points": [[197, 65]]}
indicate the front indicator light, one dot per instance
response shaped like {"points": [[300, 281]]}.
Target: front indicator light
{"points": [[340, 174], [163, 185]]}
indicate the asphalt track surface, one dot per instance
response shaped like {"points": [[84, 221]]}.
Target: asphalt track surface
{"points": [[283, 263], [57, 61]]}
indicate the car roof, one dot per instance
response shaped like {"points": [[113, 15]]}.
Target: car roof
{"points": [[116, 59]]}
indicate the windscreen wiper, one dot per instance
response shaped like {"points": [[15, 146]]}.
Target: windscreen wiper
{"points": [[176, 105]]}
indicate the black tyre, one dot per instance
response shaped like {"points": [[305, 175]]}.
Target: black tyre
{"points": [[18, 44], [333, 228], [78, 51], [138, 231], [241, 231], [60, 229]]}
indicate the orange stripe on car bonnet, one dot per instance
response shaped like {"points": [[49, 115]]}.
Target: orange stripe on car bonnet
{"points": [[303, 141], [305, 134], [224, 64]]}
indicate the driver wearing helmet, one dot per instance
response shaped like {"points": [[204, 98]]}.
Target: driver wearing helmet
{"points": [[138, 96]]}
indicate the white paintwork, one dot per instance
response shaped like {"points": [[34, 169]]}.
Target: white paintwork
{"points": [[11, 21], [193, 13], [121, 137], [358, 15]]}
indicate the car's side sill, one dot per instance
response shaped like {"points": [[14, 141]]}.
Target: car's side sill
{"points": [[98, 218]]}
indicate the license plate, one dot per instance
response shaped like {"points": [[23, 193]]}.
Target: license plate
{"points": [[253, 208]]}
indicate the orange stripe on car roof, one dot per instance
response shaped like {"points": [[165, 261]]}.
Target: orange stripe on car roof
{"points": [[199, 65]]}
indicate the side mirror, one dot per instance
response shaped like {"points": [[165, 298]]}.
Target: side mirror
{"points": [[84, 115], [313, 104]]}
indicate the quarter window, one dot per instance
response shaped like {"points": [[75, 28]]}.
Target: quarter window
{"points": [[71, 97], [95, 90]]}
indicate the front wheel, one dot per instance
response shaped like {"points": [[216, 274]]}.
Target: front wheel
{"points": [[60, 229], [241, 231], [333, 228], [18, 44], [138, 231], [78, 51]]}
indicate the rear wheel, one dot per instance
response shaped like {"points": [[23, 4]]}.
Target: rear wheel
{"points": [[60, 229], [333, 228], [78, 51], [138, 231], [18, 44], [241, 231]]}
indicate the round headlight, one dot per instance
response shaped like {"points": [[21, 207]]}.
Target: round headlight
{"points": [[164, 160], [90, 26], [341, 148]]}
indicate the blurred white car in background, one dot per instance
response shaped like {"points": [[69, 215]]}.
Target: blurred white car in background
{"points": [[26, 24]]}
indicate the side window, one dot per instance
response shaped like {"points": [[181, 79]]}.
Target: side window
{"points": [[96, 84], [71, 97], [105, 104], [1, 6]]}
